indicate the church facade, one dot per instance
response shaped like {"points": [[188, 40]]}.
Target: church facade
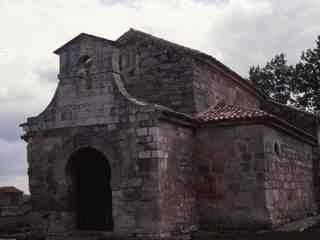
{"points": [[145, 138]]}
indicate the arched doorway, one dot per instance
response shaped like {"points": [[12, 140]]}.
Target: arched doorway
{"points": [[90, 191]]}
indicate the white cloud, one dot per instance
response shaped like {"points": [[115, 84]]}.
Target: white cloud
{"points": [[238, 32], [251, 32]]}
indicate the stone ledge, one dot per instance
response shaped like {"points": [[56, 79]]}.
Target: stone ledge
{"points": [[299, 225]]}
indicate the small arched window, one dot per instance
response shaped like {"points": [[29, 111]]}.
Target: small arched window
{"points": [[83, 69], [84, 61], [276, 148]]}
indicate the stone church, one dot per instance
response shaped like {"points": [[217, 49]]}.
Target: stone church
{"points": [[145, 138]]}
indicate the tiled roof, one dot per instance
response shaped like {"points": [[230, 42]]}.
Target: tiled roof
{"points": [[222, 111], [9, 189]]}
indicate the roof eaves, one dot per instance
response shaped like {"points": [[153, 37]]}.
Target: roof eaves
{"points": [[80, 36], [271, 100], [201, 56], [269, 120], [177, 117], [299, 131], [223, 111], [9, 189]]}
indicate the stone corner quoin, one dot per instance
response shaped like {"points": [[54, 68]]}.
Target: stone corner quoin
{"points": [[137, 143]]}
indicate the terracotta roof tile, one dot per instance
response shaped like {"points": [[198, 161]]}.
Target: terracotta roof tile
{"points": [[9, 189], [222, 111]]}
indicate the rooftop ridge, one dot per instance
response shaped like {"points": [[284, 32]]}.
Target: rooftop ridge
{"points": [[79, 36], [293, 108], [200, 56]]}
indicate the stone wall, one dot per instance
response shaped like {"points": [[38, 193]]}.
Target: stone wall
{"points": [[212, 85], [177, 174], [69, 57], [81, 99], [133, 159], [161, 73], [10, 198], [183, 79], [14, 222], [289, 180], [263, 178], [102, 116], [157, 73], [230, 177], [166, 180]]}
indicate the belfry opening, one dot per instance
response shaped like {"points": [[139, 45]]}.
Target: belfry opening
{"points": [[146, 139], [90, 190]]}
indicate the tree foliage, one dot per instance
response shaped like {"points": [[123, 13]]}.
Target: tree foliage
{"points": [[308, 78], [298, 85], [275, 79]]}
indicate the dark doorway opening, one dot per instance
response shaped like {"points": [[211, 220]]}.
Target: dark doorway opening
{"points": [[91, 195]]}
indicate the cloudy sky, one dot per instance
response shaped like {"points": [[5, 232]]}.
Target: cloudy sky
{"points": [[240, 33]]}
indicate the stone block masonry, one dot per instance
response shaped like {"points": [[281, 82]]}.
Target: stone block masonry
{"points": [[288, 177], [122, 152]]}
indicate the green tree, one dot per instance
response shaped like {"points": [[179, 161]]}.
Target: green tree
{"points": [[298, 85], [307, 73], [275, 79]]}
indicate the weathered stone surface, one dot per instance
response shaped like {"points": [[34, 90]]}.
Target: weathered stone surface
{"points": [[256, 184], [229, 191], [289, 177], [177, 175], [212, 85], [162, 174]]}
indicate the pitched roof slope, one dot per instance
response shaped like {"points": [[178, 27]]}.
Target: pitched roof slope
{"points": [[82, 36], [225, 113], [222, 111], [133, 33], [9, 189]]}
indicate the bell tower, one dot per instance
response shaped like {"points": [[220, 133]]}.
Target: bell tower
{"points": [[87, 170]]}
